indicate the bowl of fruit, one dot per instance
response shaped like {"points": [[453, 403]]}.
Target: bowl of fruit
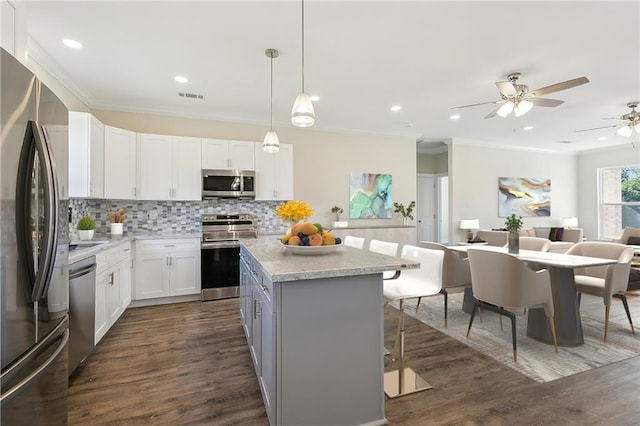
{"points": [[308, 238]]}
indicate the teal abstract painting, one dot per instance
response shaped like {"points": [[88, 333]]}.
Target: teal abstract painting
{"points": [[370, 196]]}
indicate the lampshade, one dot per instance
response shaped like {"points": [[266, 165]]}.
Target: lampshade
{"points": [[570, 222], [271, 143], [469, 224], [522, 108], [302, 113], [505, 109], [625, 131]]}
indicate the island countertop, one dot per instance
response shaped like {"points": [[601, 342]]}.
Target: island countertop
{"points": [[282, 265]]}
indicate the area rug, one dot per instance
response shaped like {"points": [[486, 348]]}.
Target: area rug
{"points": [[538, 360]]}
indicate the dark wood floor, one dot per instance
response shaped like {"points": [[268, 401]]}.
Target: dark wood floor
{"points": [[188, 363]]}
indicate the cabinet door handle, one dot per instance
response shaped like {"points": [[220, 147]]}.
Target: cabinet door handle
{"points": [[170, 260], [111, 279], [256, 312], [167, 260]]}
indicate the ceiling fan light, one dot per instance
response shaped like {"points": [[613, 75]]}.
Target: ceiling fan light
{"points": [[302, 113], [505, 109], [522, 108], [625, 131], [637, 126], [271, 142]]}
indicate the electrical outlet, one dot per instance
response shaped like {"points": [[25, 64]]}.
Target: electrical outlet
{"points": [[152, 215]]}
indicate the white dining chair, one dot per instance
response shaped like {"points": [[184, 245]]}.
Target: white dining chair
{"points": [[351, 241], [411, 283], [384, 247]]}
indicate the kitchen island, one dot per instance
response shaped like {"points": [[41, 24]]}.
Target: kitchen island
{"points": [[314, 325]]}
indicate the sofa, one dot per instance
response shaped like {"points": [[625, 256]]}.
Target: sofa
{"points": [[560, 242]]}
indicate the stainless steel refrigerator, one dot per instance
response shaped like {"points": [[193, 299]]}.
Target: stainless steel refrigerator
{"points": [[34, 239]]}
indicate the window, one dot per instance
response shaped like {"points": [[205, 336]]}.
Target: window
{"points": [[619, 199]]}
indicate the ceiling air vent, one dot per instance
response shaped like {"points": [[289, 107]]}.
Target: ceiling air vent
{"points": [[190, 95]]}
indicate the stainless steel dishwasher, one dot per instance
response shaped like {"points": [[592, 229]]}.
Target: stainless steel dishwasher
{"points": [[82, 302]]}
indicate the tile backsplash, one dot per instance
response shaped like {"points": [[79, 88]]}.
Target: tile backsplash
{"points": [[172, 216]]}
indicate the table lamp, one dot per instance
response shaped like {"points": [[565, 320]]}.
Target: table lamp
{"points": [[469, 225], [570, 222]]}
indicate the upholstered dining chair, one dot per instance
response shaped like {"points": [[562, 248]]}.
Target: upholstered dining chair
{"points": [[351, 241], [501, 281], [384, 247], [456, 275], [535, 243], [411, 283], [607, 281]]}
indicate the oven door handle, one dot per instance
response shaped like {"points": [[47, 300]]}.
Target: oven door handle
{"points": [[219, 244]]}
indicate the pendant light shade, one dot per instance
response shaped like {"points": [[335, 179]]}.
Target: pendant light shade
{"points": [[637, 126], [302, 113], [271, 143]]}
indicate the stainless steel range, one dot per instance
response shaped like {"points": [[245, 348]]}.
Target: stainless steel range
{"points": [[220, 253]]}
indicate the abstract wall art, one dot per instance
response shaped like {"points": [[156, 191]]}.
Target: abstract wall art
{"points": [[524, 196], [370, 196]]}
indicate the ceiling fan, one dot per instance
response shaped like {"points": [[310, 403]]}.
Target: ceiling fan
{"points": [[517, 98], [631, 120]]}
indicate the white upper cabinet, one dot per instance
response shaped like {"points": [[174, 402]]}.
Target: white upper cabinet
{"points": [[274, 173], [187, 178], [169, 167], [218, 154], [119, 164], [86, 156]]}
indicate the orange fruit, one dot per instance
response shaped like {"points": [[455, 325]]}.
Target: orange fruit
{"points": [[294, 241]]}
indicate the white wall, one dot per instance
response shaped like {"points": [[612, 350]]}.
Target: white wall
{"points": [[588, 164], [473, 181], [322, 160]]}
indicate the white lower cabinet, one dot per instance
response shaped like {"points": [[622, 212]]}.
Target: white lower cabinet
{"points": [[167, 268], [113, 287]]}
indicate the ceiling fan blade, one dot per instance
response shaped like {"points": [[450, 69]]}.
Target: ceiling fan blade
{"points": [[543, 102], [481, 103], [506, 88], [595, 128], [560, 86]]}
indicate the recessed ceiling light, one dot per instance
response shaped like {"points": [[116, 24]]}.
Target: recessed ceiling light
{"points": [[314, 98], [454, 117], [72, 43], [181, 79], [603, 138], [566, 141], [396, 108], [527, 128]]}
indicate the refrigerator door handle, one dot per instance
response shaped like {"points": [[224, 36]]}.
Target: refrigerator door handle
{"points": [[51, 202], [37, 271], [37, 372]]}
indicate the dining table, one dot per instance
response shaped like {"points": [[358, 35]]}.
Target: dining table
{"points": [[563, 288]]}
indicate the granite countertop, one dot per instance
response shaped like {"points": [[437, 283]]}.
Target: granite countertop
{"points": [[282, 265], [102, 242]]}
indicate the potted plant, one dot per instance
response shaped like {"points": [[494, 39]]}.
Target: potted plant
{"points": [[513, 224], [86, 228], [406, 213]]}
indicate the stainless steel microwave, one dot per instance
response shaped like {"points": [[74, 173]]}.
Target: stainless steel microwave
{"points": [[228, 184]]}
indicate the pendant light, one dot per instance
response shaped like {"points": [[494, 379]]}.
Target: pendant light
{"points": [[271, 142], [302, 114]]}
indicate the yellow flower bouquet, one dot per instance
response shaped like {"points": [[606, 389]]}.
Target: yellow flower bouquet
{"points": [[293, 211]]}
